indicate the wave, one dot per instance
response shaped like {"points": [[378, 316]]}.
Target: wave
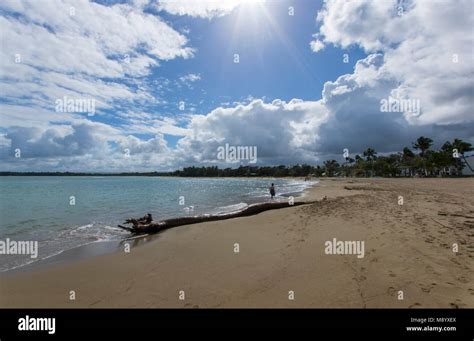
{"points": [[230, 208], [68, 239], [96, 232], [291, 188]]}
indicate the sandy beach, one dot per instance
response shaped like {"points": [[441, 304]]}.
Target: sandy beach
{"points": [[282, 261]]}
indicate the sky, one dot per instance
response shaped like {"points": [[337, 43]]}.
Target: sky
{"points": [[164, 83]]}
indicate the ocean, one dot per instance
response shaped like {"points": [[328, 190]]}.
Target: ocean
{"points": [[64, 212]]}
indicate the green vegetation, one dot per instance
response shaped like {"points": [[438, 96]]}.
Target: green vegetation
{"points": [[448, 161]]}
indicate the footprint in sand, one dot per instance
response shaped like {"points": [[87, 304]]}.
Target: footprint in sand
{"points": [[426, 288], [391, 291], [429, 269]]}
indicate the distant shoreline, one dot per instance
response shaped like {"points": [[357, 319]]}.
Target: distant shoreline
{"points": [[299, 177], [169, 175]]}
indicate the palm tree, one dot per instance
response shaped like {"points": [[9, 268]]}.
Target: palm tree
{"points": [[407, 153], [407, 160], [331, 166], [463, 147], [370, 154], [423, 144]]}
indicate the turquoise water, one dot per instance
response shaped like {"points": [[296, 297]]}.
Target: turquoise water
{"points": [[39, 208]]}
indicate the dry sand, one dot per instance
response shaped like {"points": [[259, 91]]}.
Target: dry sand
{"points": [[407, 248]]}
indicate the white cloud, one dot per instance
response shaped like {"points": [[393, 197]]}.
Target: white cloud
{"points": [[144, 123], [80, 49], [135, 145], [370, 24], [278, 130], [202, 8], [57, 48], [59, 141], [83, 146], [419, 44], [190, 78], [316, 45]]}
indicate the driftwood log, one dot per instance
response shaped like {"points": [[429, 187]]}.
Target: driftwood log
{"points": [[248, 211]]}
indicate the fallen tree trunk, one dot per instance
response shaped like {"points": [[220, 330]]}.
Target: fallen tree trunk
{"points": [[248, 211]]}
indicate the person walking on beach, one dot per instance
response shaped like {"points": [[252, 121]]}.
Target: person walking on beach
{"points": [[272, 190]]}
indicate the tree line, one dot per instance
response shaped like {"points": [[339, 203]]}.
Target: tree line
{"points": [[420, 160]]}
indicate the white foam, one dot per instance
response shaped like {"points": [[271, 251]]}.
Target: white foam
{"points": [[231, 208]]}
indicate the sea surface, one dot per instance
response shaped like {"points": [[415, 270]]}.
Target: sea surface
{"points": [[64, 212]]}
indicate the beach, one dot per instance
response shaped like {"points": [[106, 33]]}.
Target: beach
{"points": [[278, 258], [72, 214]]}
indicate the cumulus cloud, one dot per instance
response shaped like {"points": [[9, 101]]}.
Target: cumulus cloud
{"points": [[203, 9], [83, 146], [374, 25], [86, 50], [316, 45], [58, 141], [426, 45], [278, 129], [80, 50], [132, 145]]}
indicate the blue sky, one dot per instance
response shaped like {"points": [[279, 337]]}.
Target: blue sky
{"points": [[274, 62], [275, 59], [167, 92]]}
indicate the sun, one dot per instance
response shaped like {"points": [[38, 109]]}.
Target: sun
{"points": [[251, 2], [250, 22], [246, 4], [250, 10]]}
